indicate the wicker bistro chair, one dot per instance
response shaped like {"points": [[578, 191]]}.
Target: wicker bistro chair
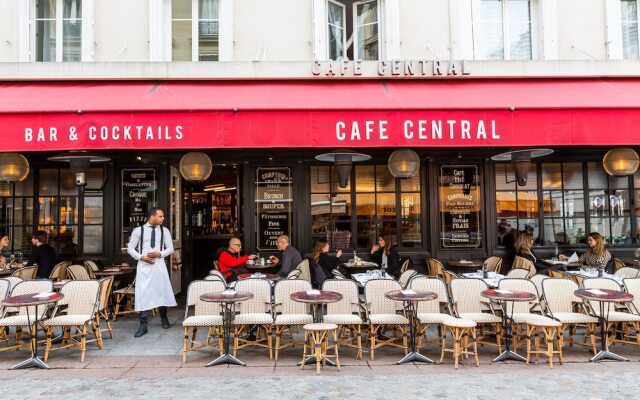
{"points": [[294, 274], [406, 276], [561, 304], [618, 264], [537, 281], [494, 264], [106, 284], [254, 312], [434, 267], [13, 281], [5, 289], [215, 277], [519, 273], [430, 312], [78, 272], [91, 268], [557, 274], [26, 273], [25, 314], [523, 263], [381, 312], [289, 313], [337, 274], [469, 304], [127, 294], [627, 272], [81, 299], [59, 270], [628, 320], [215, 272], [345, 313], [205, 315], [405, 266]]}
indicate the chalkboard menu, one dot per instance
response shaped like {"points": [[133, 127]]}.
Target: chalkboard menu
{"points": [[460, 206], [274, 204], [138, 196]]}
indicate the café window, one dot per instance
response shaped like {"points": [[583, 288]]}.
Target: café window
{"points": [[58, 30], [609, 208], [503, 29], [460, 206], [373, 203], [195, 30], [516, 206], [636, 185], [563, 199], [629, 23], [353, 29], [16, 213]]}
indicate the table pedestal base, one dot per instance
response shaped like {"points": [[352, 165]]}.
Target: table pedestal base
{"points": [[32, 362], [414, 356], [312, 360], [226, 359], [509, 355], [607, 355]]}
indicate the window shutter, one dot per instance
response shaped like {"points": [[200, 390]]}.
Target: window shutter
{"points": [[549, 29], [226, 31], [88, 31], [24, 31], [391, 29], [462, 30], [320, 52], [156, 42], [613, 29]]}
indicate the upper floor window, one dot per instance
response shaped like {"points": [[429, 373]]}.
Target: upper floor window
{"points": [[353, 29], [629, 22], [195, 30], [58, 33], [503, 29]]}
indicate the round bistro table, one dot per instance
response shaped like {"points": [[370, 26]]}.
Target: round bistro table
{"points": [[259, 275], [227, 302], [410, 301], [29, 300], [504, 297]]}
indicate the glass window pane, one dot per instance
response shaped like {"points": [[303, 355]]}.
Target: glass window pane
{"points": [[506, 204], [386, 207], [629, 19], [367, 236], [24, 211], [47, 210], [618, 182], [341, 207], [504, 174], [25, 187], [367, 30], [320, 179], [597, 176], [68, 185], [365, 178], [66, 242], [389, 227], [181, 9], [553, 204], [46, 40], [527, 204], [598, 203], [208, 9], [72, 9], [385, 182], [336, 31], [551, 176], [93, 207], [572, 174], [48, 182], [410, 206], [208, 14], [519, 30], [365, 206], [531, 226], [491, 32], [93, 239], [411, 233], [72, 40], [22, 239], [621, 231], [6, 211], [68, 210], [619, 203], [411, 184], [601, 225], [505, 228], [575, 231], [181, 41], [95, 178], [636, 180]]}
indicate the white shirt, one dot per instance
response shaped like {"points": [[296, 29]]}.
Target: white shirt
{"points": [[133, 245]]}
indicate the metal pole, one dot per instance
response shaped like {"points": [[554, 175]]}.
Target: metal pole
{"points": [[80, 220]]}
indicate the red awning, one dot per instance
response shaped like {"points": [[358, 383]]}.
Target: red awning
{"points": [[372, 113]]}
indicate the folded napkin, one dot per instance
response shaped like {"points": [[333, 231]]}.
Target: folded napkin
{"points": [[229, 292], [503, 291], [408, 292], [44, 295], [466, 262], [596, 291], [313, 292]]}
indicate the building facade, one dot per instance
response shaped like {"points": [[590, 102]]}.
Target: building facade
{"points": [[263, 87]]}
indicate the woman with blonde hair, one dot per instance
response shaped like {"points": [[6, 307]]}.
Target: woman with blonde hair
{"points": [[523, 245], [597, 255], [322, 263]]}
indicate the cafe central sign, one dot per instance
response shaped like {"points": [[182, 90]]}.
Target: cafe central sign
{"points": [[391, 68]]}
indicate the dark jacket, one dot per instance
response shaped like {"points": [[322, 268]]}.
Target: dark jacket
{"points": [[393, 261], [289, 260], [541, 267], [45, 256], [321, 270]]}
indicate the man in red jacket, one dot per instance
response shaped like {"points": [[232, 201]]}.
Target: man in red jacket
{"points": [[230, 263]]}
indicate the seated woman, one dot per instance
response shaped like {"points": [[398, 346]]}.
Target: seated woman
{"points": [[597, 255], [523, 245], [322, 263], [386, 255], [4, 243]]}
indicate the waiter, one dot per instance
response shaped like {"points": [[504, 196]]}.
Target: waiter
{"points": [[149, 245]]}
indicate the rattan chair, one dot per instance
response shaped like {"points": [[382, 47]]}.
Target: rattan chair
{"points": [[519, 273], [91, 268], [5, 288], [26, 273], [25, 314], [305, 272], [434, 267], [494, 264], [618, 264], [523, 263], [59, 270], [345, 313], [13, 281], [106, 285], [81, 299], [381, 313], [627, 272], [205, 315], [78, 272], [295, 274], [431, 312], [405, 266], [215, 272], [469, 304], [289, 313], [255, 312], [337, 274], [406, 276], [537, 280], [127, 294]]}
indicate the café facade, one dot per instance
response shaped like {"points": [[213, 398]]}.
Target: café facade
{"points": [[263, 135]]}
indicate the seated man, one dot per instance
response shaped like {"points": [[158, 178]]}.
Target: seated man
{"points": [[290, 256], [230, 263], [43, 255]]}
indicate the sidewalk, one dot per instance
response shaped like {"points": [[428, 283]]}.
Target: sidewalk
{"points": [[151, 367]]}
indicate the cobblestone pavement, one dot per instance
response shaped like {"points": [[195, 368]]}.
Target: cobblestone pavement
{"points": [[151, 368]]}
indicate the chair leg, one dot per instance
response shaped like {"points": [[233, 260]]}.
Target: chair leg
{"points": [[359, 340], [185, 347], [278, 334], [548, 331], [529, 329], [443, 344], [560, 345], [48, 347], [335, 342], [83, 342], [475, 346], [456, 346], [318, 350], [372, 338]]}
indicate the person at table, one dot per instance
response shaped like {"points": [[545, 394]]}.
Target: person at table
{"points": [[4, 243], [597, 255], [524, 245], [231, 263], [150, 244], [323, 263], [290, 256], [43, 255], [385, 254]]}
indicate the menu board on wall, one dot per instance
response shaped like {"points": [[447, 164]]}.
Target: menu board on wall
{"points": [[460, 205], [138, 196], [274, 203]]}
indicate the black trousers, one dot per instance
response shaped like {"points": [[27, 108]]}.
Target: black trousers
{"points": [[144, 315]]}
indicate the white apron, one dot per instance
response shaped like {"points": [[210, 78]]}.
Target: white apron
{"points": [[153, 286]]}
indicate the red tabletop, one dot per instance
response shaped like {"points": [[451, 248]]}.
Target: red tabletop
{"points": [[232, 297], [268, 277], [417, 295], [507, 295], [30, 300], [323, 297], [607, 295]]}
